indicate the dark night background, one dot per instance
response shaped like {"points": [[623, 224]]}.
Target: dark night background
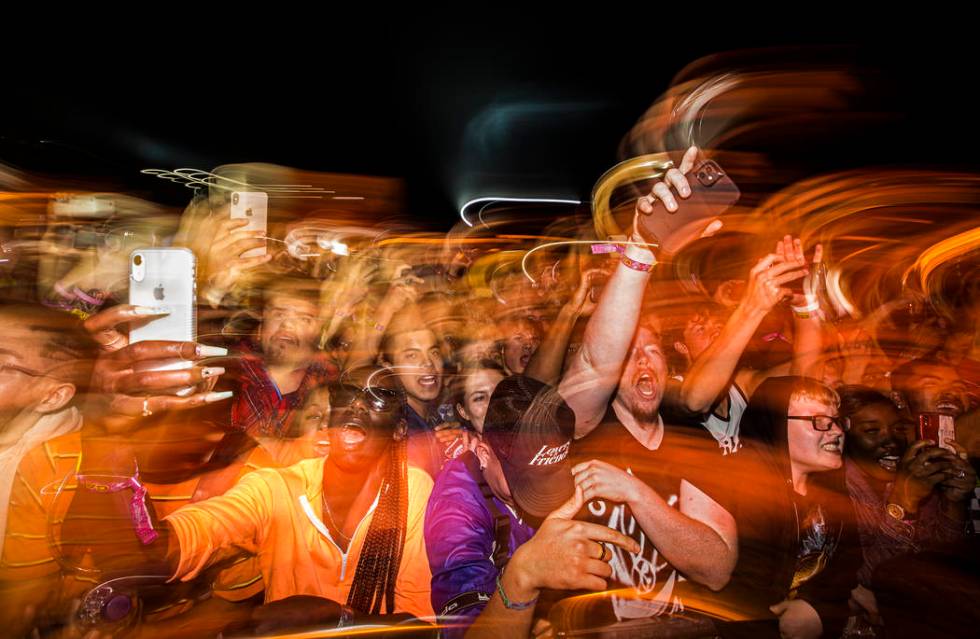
{"points": [[416, 98]]}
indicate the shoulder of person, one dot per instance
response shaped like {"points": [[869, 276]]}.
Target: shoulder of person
{"points": [[306, 472], [55, 453], [454, 481], [693, 447], [456, 491], [419, 483]]}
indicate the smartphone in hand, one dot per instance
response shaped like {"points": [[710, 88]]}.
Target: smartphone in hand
{"points": [[165, 278], [254, 207], [712, 193], [938, 428]]}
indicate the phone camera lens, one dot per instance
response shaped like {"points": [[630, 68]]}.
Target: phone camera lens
{"points": [[138, 260], [234, 198]]}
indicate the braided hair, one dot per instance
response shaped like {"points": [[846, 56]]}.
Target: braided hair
{"points": [[377, 567]]}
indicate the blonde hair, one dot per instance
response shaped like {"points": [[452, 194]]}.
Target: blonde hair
{"points": [[809, 388]]}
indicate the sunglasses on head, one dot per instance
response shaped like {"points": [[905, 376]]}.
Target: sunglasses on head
{"points": [[378, 398], [824, 423]]}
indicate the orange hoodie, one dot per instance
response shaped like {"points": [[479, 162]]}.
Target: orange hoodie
{"points": [[276, 514]]}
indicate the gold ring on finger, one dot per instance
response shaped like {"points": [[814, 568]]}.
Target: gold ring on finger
{"points": [[604, 554]]}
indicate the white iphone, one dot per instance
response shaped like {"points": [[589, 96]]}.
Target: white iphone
{"points": [[254, 207], [165, 278]]}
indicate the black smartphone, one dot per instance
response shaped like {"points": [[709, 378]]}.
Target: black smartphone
{"points": [[712, 193]]}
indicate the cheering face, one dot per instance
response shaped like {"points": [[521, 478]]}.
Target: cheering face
{"points": [[521, 339], [938, 389], [812, 450], [877, 440], [417, 360], [314, 421], [290, 327], [476, 395], [700, 332], [365, 418], [340, 348], [641, 385]]}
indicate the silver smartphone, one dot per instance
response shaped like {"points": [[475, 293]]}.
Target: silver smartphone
{"points": [[254, 207], [165, 278]]}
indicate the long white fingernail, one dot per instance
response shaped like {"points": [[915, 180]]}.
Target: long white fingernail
{"points": [[187, 391], [212, 371], [203, 350], [211, 398], [151, 310]]}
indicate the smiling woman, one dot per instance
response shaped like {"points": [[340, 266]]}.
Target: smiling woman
{"points": [[906, 494], [879, 433]]}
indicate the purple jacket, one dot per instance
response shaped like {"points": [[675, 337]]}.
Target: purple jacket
{"points": [[459, 539]]}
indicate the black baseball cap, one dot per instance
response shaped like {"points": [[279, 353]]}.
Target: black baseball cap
{"points": [[530, 428]]}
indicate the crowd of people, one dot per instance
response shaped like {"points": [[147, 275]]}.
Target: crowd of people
{"points": [[482, 433]]}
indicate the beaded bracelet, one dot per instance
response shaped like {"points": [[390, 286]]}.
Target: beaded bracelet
{"points": [[513, 605]]}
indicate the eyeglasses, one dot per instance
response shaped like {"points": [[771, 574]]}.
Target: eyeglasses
{"points": [[378, 398], [824, 423]]}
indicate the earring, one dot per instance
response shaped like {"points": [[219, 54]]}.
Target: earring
{"points": [[483, 466]]}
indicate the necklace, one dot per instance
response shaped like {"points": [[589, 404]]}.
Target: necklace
{"points": [[326, 509]]}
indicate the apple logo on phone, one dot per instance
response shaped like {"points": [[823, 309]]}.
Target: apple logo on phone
{"points": [[158, 292]]}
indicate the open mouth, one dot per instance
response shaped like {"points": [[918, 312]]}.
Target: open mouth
{"points": [[352, 435], [949, 406], [889, 462], [524, 360], [321, 446], [833, 446], [645, 386], [287, 339], [427, 381]]}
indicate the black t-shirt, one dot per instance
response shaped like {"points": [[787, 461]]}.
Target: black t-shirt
{"points": [[684, 454]]}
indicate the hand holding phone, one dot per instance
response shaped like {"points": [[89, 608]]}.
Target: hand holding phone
{"points": [[252, 206], [706, 192], [164, 279], [938, 428], [922, 468]]}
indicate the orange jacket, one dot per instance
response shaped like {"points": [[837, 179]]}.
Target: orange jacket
{"points": [[275, 513]]}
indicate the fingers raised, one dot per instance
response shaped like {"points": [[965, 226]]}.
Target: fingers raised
{"points": [[690, 157], [570, 507]]}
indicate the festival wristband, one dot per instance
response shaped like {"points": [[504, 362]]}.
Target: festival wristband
{"points": [[638, 257], [803, 312], [635, 265], [139, 514]]}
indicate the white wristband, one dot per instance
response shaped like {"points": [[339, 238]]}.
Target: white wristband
{"points": [[806, 310]]}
